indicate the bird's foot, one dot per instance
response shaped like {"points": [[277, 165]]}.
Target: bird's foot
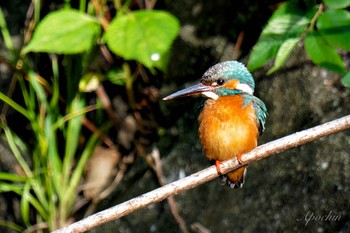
{"points": [[217, 165], [239, 158]]}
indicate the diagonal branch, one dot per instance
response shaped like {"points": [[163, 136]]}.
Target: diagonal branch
{"points": [[207, 174]]}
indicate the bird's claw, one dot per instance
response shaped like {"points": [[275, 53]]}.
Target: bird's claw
{"points": [[217, 165], [239, 158]]}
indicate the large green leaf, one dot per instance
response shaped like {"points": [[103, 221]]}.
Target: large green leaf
{"points": [[263, 51], [337, 4], [64, 31], [283, 53], [334, 26], [285, 26], [145, 36], [321, 53]]}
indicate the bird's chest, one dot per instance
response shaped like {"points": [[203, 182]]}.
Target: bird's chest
{"points": [[227, 128]]}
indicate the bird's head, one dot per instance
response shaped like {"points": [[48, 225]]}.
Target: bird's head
{"points": [[223, 79]]}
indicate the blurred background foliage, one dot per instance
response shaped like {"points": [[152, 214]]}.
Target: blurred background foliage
{"points": [[65, 53], [80, 85], [323, 28]]}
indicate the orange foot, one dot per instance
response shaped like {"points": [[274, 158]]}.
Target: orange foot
{"points": [[217, 165], [239, 158]]}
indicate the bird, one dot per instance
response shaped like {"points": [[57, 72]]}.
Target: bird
{"points": [[231, 119]]}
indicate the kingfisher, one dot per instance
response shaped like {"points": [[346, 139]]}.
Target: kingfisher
{"points": [[231, 119]]}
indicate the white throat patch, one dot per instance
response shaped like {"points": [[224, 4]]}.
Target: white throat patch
{"points": [[210, 94], [245, 88]]}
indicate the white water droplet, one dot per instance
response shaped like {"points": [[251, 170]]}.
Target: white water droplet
{"points": [[155, 56]]}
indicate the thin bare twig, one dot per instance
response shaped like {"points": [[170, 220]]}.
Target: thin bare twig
{"points": [[107, 105], [206, 175], [156, 165]]}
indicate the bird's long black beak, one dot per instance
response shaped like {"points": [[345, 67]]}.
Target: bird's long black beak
{"points": [[192, 90]]}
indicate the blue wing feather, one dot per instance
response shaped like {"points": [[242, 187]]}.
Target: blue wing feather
{"points": [[260, 112]]}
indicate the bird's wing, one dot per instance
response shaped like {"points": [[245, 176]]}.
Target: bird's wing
{"points": [[260, 112]]}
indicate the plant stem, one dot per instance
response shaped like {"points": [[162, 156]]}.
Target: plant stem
{"points": [[314, 19]]}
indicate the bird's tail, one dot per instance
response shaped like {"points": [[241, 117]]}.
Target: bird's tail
{"points": [[235, 179]]}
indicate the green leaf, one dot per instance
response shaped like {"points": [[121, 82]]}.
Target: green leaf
{"points": [[283, 53], [12, 177], [12, 142], [64, 31], [53, 163], [283, 28], [78, 171], [337, 4], [321, 53], [263, 51], [14, 105], [25, 204], [334, 26], [5, 32], [145, 36], [11, 187], [72, 136], [346, 80], [28, 199], [90, 82], [38, 88], [118, 77]]}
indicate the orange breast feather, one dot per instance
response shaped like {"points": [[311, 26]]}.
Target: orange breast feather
{"points": [[226, 129]]}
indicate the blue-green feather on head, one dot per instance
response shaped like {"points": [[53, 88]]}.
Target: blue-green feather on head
{"points": [[229, 70]]}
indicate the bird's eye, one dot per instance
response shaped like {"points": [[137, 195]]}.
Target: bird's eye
{"points": [[220, 81]]}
